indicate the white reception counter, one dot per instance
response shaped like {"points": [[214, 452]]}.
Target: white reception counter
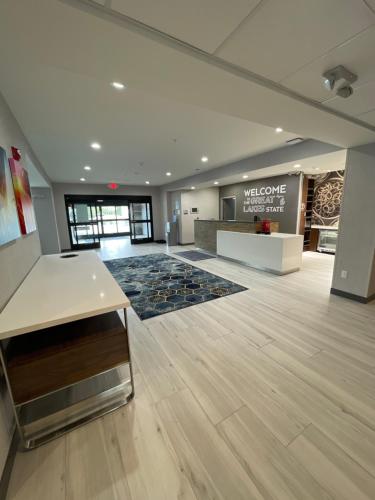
{"points": [[276, 253]]}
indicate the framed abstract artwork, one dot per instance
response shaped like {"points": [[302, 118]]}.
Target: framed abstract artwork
{"points": [[9, 226], [22, 193]]}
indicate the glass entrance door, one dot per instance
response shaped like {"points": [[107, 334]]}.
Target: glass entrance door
{"points": [[83, 225], [114, 219], [91, 218], [140, 222]]}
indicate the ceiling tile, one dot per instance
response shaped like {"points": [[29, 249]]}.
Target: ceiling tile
{"points": [[204, 24], [368, 117], [357, 55], [283, 36], [362, 101]]}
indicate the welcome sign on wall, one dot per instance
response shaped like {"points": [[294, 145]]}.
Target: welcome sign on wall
{"points": [[266, 199], [274, 198]]}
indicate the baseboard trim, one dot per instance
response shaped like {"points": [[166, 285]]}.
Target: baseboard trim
{"points": [[7, 471], [352, 296]]}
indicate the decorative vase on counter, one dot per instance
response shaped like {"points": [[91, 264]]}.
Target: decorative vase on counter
{"points": [[266, 226]]}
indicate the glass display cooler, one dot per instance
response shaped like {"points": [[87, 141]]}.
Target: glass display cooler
{"points": [[327, 241]]}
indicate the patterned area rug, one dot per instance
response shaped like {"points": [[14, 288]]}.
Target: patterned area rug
{"points": [[158, 284], [194, 255]]}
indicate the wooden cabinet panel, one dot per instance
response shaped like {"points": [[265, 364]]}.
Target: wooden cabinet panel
{"points": [[50, 359]]}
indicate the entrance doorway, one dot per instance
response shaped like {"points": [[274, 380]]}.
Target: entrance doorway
{"points": [[92, 218], [228, 208]]}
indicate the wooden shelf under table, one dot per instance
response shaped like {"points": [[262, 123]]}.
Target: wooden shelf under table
{"points": [[45, 361]]}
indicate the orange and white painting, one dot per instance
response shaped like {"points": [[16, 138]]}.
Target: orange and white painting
{"points": [[22, 193]]}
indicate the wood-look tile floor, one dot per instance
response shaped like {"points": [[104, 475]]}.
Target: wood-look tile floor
{"points": [[265, 394]]}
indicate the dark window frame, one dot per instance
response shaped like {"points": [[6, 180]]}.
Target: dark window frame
{"points": [[108, 200]]}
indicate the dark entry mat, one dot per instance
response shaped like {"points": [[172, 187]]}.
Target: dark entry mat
{"points": [[194, 255]]}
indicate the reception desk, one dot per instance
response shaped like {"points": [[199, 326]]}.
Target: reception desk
{"points": [[277, 253], [205, 231]]}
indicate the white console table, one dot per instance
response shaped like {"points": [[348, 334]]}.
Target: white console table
{"points": [[277, 253], [64, 349]]}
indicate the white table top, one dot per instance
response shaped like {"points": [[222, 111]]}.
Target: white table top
{"points": [[60, 290]]}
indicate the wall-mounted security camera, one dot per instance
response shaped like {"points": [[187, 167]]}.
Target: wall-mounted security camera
{"points": [[345, 91], [329, 83], [332, 76]]}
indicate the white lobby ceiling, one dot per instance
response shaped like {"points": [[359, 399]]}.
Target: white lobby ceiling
{"points": [[290, 42], [201, 23], [143, 136], [57, 71], [314, 165]]}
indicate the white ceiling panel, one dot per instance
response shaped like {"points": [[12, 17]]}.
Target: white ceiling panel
{"points": [[142, 136], [60, 93], [368, 117], [356, 54], [202, 23], [362, 101], [283, 36], [313, 165]]}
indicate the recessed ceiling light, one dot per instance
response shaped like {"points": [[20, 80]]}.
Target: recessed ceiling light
{"points": [[245, 176], [96, 145], [147, 182], [82, 179], [87, 167], [118, 85], [204, 159], [297, 165], [168, 174], [216, 182], [192, 187], [316, 168], [278, 130]]}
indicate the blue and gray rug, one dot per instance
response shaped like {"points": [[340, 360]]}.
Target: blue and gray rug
{"points": [[157, 284]]}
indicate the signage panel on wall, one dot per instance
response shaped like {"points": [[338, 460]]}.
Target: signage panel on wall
{"points": [[274, 198], [267, 199]]}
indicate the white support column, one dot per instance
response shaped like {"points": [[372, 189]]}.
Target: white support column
{"points": [[354, 271]]}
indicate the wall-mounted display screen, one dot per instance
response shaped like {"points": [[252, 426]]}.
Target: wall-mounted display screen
{"points": [[9, 226]]}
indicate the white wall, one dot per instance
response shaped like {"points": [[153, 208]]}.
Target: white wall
{"points": [[356, 239], [207, 202], [60, 189], [174, 209], [16, 258], [46, 219]]}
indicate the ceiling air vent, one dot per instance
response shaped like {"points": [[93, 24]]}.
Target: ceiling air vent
{"points": [[296, 140]]}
